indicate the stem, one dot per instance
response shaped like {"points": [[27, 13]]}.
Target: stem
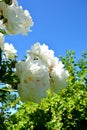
{"points": [[0, 55]]}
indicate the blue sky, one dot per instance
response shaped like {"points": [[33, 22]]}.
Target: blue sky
{"points": [[61, 24]]}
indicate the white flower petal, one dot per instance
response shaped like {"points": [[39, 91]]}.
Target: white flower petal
{"points": [[58, 78]]}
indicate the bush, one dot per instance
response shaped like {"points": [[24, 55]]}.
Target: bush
{"points": [[64, 111]]}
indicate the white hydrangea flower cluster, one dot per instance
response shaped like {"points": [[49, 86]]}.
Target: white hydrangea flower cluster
{"points": [[14, 19], [41, 71]]}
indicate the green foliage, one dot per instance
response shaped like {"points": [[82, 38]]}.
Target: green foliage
{"points": [[7, 69], [3, 31], [8, 98], [64, 111]]}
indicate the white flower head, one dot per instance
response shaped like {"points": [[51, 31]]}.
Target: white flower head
{"points": [[34, 80], [41, 71], [10, 51], [1, 41], [15, 19]]}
